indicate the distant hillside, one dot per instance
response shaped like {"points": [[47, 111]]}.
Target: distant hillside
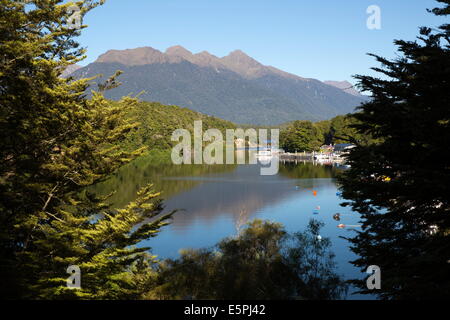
{"points": [[236, 87], [158, 122], [344, 85]]}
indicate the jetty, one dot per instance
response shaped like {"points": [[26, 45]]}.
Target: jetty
{"points": [[310, 156]]}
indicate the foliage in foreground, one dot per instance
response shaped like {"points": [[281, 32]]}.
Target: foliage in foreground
{"points": [[401, 185], [53, 144], [262, 262]]}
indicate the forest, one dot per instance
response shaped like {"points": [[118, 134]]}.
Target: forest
{"points": [[302, 135]]}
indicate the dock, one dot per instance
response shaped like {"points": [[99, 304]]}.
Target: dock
{"points": [[309, 156]]}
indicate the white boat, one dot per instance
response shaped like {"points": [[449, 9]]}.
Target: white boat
{"points": [[264, 156], [322, 157], [264, 153]]}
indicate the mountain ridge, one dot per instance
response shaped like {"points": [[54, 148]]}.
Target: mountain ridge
{"points": [[345, 86], [237, 60], [235, 87]]}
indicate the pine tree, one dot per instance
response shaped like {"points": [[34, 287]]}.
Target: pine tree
{"points": [[54, 142], [401, 184]]}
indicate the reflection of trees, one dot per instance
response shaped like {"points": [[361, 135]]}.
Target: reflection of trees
{"points": [[130, 178], [308, 170], [263, 262], [308, 255], [240, 189]]}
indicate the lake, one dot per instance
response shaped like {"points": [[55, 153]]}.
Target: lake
{"points": [[213, 201]]}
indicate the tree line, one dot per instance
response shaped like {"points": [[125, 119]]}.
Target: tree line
{"points": [[302, 135]]}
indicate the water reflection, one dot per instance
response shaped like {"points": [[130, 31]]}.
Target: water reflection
{"points": [[130, 178], [207, 193], [261, 262], [216, 200], [241, 190]]}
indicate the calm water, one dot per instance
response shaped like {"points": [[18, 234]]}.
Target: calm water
{"points": [[214, 200]]}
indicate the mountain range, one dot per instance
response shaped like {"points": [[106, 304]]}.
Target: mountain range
{"points": [[235, 87]]}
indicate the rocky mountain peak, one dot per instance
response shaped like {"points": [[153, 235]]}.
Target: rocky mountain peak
{"points": [[206, 54], [179, 51], [130, 57], [241, 58], [241, 63]]}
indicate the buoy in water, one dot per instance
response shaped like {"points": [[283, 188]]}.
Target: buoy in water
{"points": [[342, 226], [315, 193], [319, 237]]}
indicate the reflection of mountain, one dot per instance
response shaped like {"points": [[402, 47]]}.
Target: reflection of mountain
{"points": [[208, 193], [243, 189]]}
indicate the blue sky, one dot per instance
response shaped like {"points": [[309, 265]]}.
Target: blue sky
{"points": [[322, 39]]}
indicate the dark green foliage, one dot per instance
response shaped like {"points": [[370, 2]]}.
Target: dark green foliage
{"points": [[308, 136], [300, 136], [53, 144], [157, 122], [401, 184], [262, 262], [342, 131], [324, 134]]}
